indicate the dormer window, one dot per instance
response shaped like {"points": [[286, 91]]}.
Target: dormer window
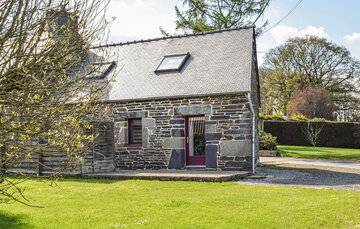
{"points": [[172, 63]]}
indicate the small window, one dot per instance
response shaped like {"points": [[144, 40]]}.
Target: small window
{"points": [[135, 131], [172, 63]]}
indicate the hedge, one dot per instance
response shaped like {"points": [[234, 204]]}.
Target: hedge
{"points": [[333, 134]]}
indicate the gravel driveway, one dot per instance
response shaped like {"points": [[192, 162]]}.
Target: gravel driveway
{"points": [[330, 165], [314, 178]]}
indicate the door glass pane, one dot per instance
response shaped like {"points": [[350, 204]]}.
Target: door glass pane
{"points": [[197, 136]]}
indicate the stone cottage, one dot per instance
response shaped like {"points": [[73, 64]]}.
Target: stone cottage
{"points": [[181, 102]]}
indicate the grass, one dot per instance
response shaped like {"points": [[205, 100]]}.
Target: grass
{"points": [[154, 204], [320, 152]]}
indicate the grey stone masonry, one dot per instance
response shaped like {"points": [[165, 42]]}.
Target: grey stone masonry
{"points": [[227, 132], [101, 157]]}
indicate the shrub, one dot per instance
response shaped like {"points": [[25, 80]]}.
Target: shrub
{"points": [[298, 117], [313, 102], [272, 117], [267, 141]]}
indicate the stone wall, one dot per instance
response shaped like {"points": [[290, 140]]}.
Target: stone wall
{"points": [[98, 158], [227, 132]]}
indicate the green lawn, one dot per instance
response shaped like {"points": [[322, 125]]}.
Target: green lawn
{"points": [[320, 152], [155, 204]]}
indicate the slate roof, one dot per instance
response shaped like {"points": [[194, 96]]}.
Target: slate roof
{"points": [[220, 63]]}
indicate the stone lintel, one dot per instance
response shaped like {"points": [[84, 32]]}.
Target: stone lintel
{"points": [[193, 110], [131, 114]]}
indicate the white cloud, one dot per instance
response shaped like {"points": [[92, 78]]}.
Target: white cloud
{"points": [[352, 42], [352, 38], [140, 19], [282, 33]]}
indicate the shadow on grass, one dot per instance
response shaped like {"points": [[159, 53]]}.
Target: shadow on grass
{"points": [[13, 221]]}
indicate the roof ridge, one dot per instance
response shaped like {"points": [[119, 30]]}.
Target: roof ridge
{"points": [[171, 37]]}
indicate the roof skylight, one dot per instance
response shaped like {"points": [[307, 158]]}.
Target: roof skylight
{"points": [[172, 63]]}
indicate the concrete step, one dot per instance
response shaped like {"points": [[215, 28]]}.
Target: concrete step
{"points": [[195, 167], [173, 175], [198, 168]]}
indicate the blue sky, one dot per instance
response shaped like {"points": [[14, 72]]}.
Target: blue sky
{"points": [[336, 20], [337, 16]]}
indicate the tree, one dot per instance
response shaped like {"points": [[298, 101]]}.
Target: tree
{"points": [[313, 102], [312, 61], [46, 90], [207, 15], [277, 89], [312, 131]]}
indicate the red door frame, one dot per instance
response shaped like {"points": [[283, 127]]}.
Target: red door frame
{"points": [[191, 160]]}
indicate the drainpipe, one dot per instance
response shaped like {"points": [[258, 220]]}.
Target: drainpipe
{"points": [[253, 133]]}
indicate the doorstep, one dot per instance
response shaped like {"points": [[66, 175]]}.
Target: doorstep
{"points": [[173, 175]]}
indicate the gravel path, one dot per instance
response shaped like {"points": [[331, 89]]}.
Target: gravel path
{"points": [[332, 165], [306, 178]]}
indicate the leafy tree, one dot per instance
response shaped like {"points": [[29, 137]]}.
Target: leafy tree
{"points": [[277, 89], [313, 102], [45, 81], [310, 61], [207, 15]]}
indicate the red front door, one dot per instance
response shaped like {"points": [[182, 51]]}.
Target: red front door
{"points": [[195, 140]]}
